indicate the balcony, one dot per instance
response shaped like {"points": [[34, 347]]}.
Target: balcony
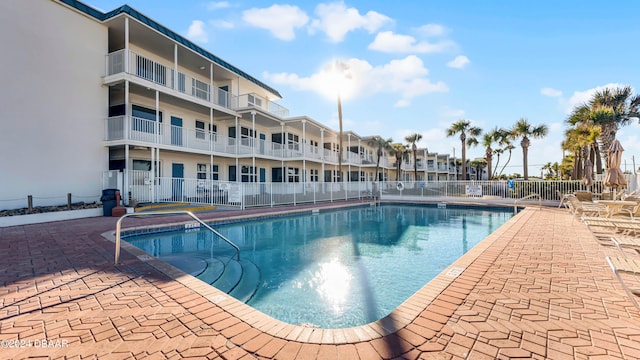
{"points": [[144, 132], [156, 72]]}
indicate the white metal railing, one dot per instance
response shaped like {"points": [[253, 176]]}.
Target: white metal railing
{"points": [[257, 101], [253, 194], [164, 74]]}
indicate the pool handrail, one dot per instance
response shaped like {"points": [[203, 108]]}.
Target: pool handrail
{"points": [[176, 212], [515, 203]]}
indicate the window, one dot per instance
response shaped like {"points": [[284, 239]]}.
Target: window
{"points": [[143, 165], [199, 129], [331, 176], [201, 171], [247, 173], [245, 136], [276, 175], [313, 175], [293, 141], [200, 133], [200, 89], [276, 138], [293, 174], [214, 172], [143, 119], [232, 173]]}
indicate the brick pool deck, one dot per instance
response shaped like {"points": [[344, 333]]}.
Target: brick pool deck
{"points": [[539, 287]]}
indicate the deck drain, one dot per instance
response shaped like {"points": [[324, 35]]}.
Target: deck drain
{"points": [[145, 257], [455, 272]]}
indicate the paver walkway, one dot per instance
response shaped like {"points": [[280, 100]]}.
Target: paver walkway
{"points": [[537, 288]]}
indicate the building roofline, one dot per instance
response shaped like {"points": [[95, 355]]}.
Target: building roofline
{"points": [[126, 9]]}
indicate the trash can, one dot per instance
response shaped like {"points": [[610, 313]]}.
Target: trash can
{"points": [[108, 200]]}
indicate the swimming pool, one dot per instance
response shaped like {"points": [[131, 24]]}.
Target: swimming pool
{"points": [[333, 269]]}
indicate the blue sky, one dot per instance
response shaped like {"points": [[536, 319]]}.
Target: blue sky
{"points": [[419, 66]]}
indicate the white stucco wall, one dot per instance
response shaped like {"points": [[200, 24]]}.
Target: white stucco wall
{"points": [[52, 104]]}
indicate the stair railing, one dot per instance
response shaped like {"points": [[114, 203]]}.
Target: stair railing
{"points": [[177, 212]]}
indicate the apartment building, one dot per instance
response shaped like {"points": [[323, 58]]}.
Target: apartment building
{"points": [[95, 95]]}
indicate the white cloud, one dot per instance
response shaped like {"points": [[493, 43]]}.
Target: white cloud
{"points": [[221, 24], [405, 77], [459, 62], [581, 97], [336, 20], [215, 5], [551, 92], [197, 32], [389, 42], [432, 30], [280, 20]]}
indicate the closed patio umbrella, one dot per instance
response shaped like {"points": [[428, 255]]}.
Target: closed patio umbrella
{"points": [[615, 178]]}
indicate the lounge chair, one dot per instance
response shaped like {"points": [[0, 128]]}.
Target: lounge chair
{"points": [[612, 225], [580, 208], [632, 210], [626, 265]]}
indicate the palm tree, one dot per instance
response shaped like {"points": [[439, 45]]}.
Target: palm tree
{"points": [[614, 108], [399, 151], [412, 140], [487, 141], [525, 130], [478, 164], [381, 146], [468, 136], [587, 120]]}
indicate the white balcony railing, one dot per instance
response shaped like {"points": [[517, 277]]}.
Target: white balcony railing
{"points": [[164, 74]]}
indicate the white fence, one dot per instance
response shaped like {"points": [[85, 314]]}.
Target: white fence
{"points": [[142, 189]]}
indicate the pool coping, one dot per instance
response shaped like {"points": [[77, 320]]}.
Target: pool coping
{"points": [[403, 315]]}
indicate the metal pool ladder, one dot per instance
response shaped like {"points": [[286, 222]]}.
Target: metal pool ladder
{"points": [[177, 212], [515, 203]]}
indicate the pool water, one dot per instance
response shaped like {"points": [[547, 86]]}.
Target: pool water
{"points": [[337, 269]]}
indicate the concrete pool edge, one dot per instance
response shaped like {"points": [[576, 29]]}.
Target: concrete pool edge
{"points": [[401, 317]]}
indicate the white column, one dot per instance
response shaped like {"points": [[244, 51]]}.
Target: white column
{"points": [[126, 45], [127, 131], [237, 151], [348, 156], [175, 67], [253, 146], [210, 155], [322, 154], [284, 143], [211, 88], [304, 150]]}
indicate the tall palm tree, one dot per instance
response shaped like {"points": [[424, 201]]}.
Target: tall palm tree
{"points": [[587, 120], [468, 136], [412, 140], [616, 107], [381, 146], [487, 141], [525, 130], [399, 151]]}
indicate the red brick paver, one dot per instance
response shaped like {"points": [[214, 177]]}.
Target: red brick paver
{"points": [[539, 287]]}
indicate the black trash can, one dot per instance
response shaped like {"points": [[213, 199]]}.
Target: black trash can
{"points": [[108, 200]]}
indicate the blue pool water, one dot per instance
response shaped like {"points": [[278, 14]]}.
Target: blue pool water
{"points": [[334, 269]]}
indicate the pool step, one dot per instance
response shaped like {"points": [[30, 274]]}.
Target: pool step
{"points": [[214, 270], [230, 277], [248, 285]]}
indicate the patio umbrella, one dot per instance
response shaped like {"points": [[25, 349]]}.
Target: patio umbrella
{"points": [[615, 178], [588, 173]]}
